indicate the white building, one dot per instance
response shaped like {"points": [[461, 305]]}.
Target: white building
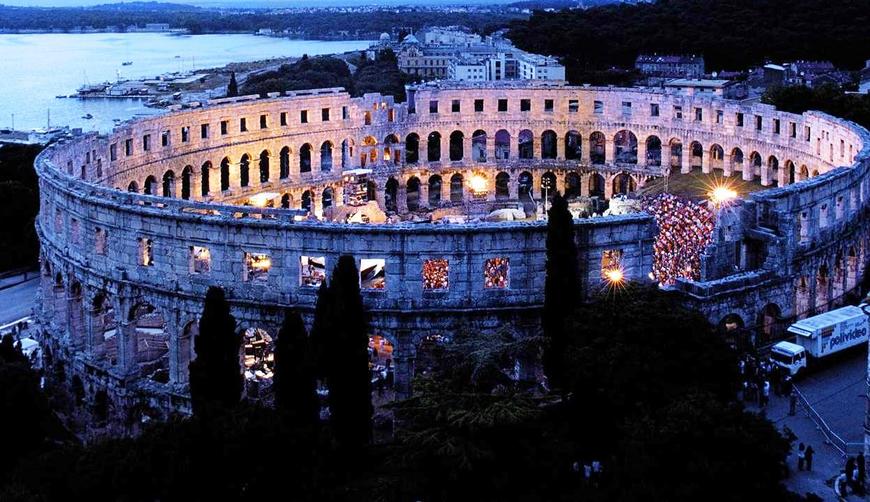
{"points": [[705, 87], [537, 67]]}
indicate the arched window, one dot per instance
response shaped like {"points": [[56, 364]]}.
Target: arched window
{"points": [[133, 187], [478, 146], [284, 163], [391, 194], [286, 201], [413, 194], [526, 144], [225, 174], [434, 190], [150, 187], [653, 151], [572, 186], [457, 148], [412, 148], [548, 145], [326, 156], [434, 147], [502, 145], [524, 186], [457, 189], [306, 200], [264, 166], [626, 147], [245, 170], [305, 158], [596, 185], [573, 145], [502, 186], [327, 198], [186, 175], [204, 174], [597, 144], [169, 184]]}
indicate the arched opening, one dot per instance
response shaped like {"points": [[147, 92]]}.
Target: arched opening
{"points": [[186, 175], [346, 153], [326, 156], [305, 158], [502, 145], [548, 185], [433, 147], [676, 154], [391, 195], [597, 145], [478, 146], [790, 174], [822, 289], [151, 343], [771, 324], [326, 198], [736, 160], [732, 329], [225, 174], [573, 145], [717, 158], [185, 350], [549, 146], [623, 184], [696, 151], [434, 191], [572, 186], [596, 185], [371, 190], [76, 315], [306, 201], [284, 163], [457, 189], [773, 170], [264, 166], [133, 187], [104, 328], [526, 142], [803, 173], [367, 118], [205, 179], [259, 355], [245, 170], [524, 186], [412, 197], [286, 201], [391, 153], [502, 186], [169, 184], [456, 145], [626, 147], [755, 163], [412, 148], [369, 152], [653, 151]]}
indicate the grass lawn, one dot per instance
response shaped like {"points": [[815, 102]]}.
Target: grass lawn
{"points": [[696, 185]]}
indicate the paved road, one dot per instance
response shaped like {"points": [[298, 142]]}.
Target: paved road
{"points": [[17, 301]]}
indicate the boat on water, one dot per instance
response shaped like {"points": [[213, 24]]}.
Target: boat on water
{"points": [[87, 116], [126, 63]]}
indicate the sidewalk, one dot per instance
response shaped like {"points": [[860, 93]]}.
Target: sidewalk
{"points": [[827, 461], [14, 278]]}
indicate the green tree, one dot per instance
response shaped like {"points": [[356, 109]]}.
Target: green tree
{"points": [[233, 86], [346, 347], [216, 379], [561, 289], [294, 383]]}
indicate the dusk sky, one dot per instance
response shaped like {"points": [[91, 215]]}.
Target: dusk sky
{"points": [[253, 3]]}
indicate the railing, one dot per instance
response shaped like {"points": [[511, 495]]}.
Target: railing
{"points": [[845, 448]]}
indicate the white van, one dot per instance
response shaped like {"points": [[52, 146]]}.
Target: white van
{"points": [[820, 336]]}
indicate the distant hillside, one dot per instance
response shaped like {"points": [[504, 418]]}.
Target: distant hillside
{"points": [[730, 34], [144, 6]]}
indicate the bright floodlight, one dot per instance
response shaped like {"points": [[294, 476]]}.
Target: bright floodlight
{"points": [[477, 183], [722, 194], [261, 199], [614, 275]]}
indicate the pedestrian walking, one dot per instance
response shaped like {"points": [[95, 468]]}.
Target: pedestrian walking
{"points": [[808, 457], [801, 456], [792, 403]]}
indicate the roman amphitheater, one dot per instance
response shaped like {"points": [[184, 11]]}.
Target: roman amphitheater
{"points": [[439, 200]]}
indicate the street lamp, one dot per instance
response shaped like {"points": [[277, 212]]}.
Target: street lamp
{"points": [[546, 185]]}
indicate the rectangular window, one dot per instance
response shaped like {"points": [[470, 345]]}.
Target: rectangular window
{"points": [[146, 252], [678, 112], [699, 114], [344, 113], [720, 116], [455, 106], [128, 147], [75, 231], [243, 124], [372, 274], [548, 105], [282, 118], [264, 122], [303, 116], [146, 142], [433, 106], [598, 107], [164, 138], [775, 126], [758, 123], [113, 151], [792, 130], [58, 221], [496, 273], [185, 134], [502, 105], [257, 267], [626, 108], [100, 241], [573, 105], [611, 265], [436, 274], [312, 271], [203, 131], [200, 260], [478, 105], [324, 114], [807, 133], [653, 109], [225, 127], [525, 105], [739, 119]]}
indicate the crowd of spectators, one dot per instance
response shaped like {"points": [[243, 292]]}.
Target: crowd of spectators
{"points": [[495, 273], [685, 229], [435, 274]]}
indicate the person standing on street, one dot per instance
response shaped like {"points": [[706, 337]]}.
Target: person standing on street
{"points": [[801, 456], [808, 457]]}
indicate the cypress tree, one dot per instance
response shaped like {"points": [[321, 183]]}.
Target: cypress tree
{"points": [[319, 329], [350, 399], [216, 379], [295, 387], [233, 86], [561, 289]]}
